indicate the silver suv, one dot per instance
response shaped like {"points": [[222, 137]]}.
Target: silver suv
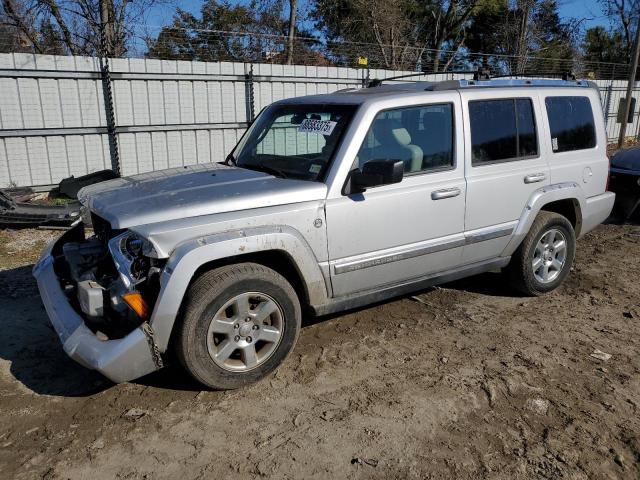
{"points": [[327, 203]]}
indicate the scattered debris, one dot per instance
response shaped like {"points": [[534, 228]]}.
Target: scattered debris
{"points": [[619, 459], [490, 391], [20, 215], [538, 405], [444, 360], [32, 430], [627, 314], [372, 462], [600, 355], [327, 415], [420, 300], [98, 444], [20, 194], [134, 413], [70, 186], [16, 213]]}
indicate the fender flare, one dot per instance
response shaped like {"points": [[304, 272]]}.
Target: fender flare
{"points": [[536, 202], [190, 255]]}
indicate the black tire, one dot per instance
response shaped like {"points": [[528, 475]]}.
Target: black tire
{"points": [[207, 295], [520, 269]]}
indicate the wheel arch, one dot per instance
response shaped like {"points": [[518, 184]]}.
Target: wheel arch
{"points": [[281, 248], [566, 199], [279, 261], [568, 208]]}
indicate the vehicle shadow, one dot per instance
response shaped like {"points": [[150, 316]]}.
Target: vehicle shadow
{"points": [[493, 284], [31, 347]]}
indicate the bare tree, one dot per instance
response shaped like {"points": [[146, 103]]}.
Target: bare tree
{"points": [[78, 23], [448, 20], [624, 15]]}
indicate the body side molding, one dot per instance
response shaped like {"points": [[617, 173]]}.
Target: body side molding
{"points": [[386, 292]]}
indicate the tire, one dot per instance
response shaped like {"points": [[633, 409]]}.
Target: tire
{"points": [[532, 281], [218, 332]]}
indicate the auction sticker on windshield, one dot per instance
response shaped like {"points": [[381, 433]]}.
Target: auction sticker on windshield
{"points": [[325, 127]]}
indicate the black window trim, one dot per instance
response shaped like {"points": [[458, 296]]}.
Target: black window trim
{"points": [[453, 137], [510, 159], [595, 130]]}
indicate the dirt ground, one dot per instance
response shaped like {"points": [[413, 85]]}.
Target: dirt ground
{"points": [[465, 381]]}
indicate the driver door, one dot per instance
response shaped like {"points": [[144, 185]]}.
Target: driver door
{"points": [[396, 233]]}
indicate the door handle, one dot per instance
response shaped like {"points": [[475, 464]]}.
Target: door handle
{"points": [[535, 177], [445, 193]]}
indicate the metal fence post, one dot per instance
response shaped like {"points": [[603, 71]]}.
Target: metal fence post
{"points": [[108, 102], [250, 106], [607, 104]]}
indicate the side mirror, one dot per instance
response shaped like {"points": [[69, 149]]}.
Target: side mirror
{"points": [[376, 173]]}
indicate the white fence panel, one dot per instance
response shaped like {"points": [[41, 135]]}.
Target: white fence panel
{"points": [[168, 113]]}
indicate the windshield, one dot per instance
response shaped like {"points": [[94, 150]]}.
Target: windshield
{"points": [[294, 141]]}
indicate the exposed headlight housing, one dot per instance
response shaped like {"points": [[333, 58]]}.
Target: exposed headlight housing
{"points": [[130, 254]]}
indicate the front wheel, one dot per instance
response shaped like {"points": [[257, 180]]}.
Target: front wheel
{"points": [[545, 257], [240, 323]]}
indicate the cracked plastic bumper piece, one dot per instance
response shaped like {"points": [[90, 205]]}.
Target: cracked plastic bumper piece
{"points": [[119, 360]]}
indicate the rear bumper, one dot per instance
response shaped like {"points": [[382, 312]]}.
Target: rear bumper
{"points": [[119, 360], [597, 209]]}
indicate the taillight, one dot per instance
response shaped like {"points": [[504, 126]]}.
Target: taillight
{"points": [[606, 189]]}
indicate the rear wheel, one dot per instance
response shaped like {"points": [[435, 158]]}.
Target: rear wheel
{"points": [[545, 257], [240, 322]]}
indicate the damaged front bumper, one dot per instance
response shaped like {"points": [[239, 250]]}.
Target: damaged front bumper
{"points": [[119, 360]]}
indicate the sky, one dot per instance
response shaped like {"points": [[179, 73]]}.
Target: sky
{"points": [[589, 10]]}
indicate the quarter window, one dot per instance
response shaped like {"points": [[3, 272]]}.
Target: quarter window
{"points": [[502, 130], [422, 137], [571, 123]]}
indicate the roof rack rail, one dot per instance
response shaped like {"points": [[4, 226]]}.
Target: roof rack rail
{"points": [[376, 82], [482, 78]]}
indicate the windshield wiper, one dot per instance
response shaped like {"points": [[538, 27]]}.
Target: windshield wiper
{"points": [[261, 167]]}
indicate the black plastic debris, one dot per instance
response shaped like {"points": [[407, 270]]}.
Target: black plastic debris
{"points": [[15, 214], [69, 187], [20, 194]]}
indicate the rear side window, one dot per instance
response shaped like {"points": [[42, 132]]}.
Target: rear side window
{"points": [[571, 123], [502, 130]]}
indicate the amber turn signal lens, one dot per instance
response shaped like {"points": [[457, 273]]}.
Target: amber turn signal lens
{"points": [[137, 304]]}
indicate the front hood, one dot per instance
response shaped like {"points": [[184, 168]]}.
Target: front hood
{"points": [[192, 191]]}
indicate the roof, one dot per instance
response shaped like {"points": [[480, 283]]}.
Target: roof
{"points": [[360, 95]]}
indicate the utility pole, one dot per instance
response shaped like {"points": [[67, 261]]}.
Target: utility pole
{"points": [[632, 81]]}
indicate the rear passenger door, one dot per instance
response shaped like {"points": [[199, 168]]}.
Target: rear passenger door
{"points": [[504, 166]]}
